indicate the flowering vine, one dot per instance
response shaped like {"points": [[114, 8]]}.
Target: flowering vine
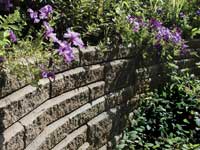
{"points": [[12, 36], [65, 47], [161, 35]]}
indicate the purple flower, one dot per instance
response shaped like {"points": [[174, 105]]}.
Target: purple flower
{"points": [[130, 19], [49, 32], [34, 15], [74, 38], [44, 74], [167, 35], [136, 26], [198, 12], [176, 37], [184, 49], [184, 46], [53, 37], [12, 36], [136, 22], [45, 11], [48, 74], [66, 51], [155, 23], [163, 33], [48, 28]]}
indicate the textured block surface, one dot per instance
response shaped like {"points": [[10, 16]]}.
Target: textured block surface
{"points": [[86, 106]]}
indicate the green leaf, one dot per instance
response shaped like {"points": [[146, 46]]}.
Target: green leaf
{"points": [[148, 127], [186, 121], [6, 34], [197, 122]]}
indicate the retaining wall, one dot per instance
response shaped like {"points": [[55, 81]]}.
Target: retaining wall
{"points": [[85, 107]]}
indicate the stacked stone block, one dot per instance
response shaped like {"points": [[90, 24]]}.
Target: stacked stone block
{"points": [[85, 107]]}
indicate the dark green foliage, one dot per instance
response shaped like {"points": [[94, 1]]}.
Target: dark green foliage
{"points": [[168, 119], [92, 18]]}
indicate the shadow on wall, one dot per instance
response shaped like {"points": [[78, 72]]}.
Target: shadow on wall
{"points": [[1, 138], [2, 127], [119, 74], [124, 72], [3, 79], [142, 75]]}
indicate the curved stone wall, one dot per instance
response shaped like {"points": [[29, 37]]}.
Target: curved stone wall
{"points": [[85, 107]]}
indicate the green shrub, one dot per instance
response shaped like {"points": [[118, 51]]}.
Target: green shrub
{"points": [[167, 119], [184, 14]]}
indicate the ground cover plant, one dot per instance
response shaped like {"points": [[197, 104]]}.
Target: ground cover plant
{"points": [[169, 118]]}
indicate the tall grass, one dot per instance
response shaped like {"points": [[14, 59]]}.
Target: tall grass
{"points": [[173, 7]]}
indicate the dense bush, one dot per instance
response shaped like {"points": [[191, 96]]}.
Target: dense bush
{"points": [[167, 119], [184, 14]]}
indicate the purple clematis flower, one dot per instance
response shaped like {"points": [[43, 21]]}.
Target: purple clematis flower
{"points": [[12, 36], [65, 50], [176, 37], [167, 35], [49, 32], [48, 28], [45, 11], [184, 46], [74, 38], [130, 19], [155, 23], [53, 37], [48, 74], [137, 23], [184, 49], [34, 15], [163, 33], [136, 26]]}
